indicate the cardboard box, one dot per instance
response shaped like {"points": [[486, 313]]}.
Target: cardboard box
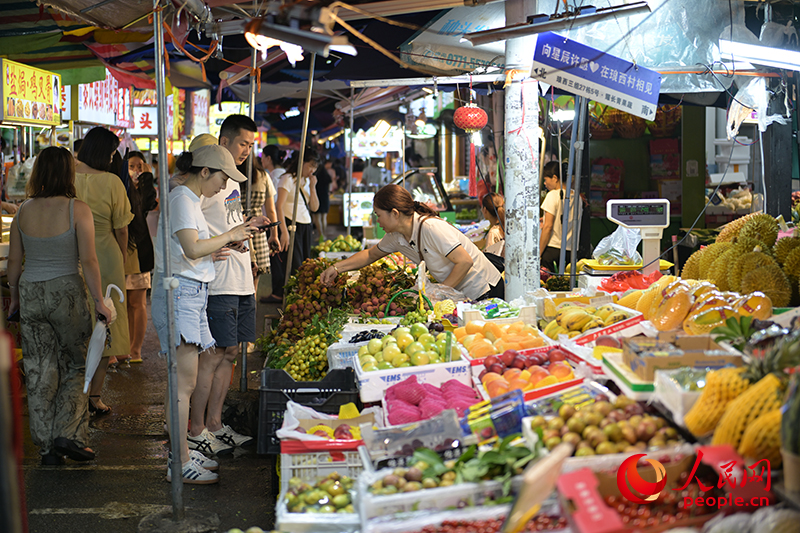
{"points": [[695, 354], [373, 384], [583, 492]]}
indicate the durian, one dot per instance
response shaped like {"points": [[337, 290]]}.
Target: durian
{"points": [[762, 227], [718, 273], [710, 254], [745, 263], [730, 230], [791, 265], [783, 247], [748, 244], [691, 268], [771, 281]]}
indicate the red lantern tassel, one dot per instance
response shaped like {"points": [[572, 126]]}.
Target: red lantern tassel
{"points": [[473, 184]]}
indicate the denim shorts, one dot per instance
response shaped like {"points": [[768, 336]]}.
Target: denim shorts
{"points": [[190, 302], [232, 318]]}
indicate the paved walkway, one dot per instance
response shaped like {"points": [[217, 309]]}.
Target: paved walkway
{"points": [[126, 481]]}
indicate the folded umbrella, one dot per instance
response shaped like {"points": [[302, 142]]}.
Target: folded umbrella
{"points": [[98, 340]]}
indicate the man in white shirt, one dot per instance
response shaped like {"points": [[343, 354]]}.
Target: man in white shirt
{"points": [[231, 302]]}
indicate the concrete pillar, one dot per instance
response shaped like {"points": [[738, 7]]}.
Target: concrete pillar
{"points": [[521, 154]]}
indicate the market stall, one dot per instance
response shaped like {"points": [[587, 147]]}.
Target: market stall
{"points": [[405, 413]]}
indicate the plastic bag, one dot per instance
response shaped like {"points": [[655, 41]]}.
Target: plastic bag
{"points": [[619, 248], [772, 520], [97, 343], [436, 292], [296, 412], [753, 96], [735, 523]]}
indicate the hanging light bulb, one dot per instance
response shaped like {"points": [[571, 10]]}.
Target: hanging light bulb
{"points": [[420, 122]]}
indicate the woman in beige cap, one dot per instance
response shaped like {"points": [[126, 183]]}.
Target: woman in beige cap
{"points": [[204, 172]]}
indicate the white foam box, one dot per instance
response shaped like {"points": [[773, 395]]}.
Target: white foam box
{"points": [[372, 385], [526, 314], [673, 397], [625, 328]]}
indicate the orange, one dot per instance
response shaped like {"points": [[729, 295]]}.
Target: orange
{"points": [[460, 333], [476, 326], [496, 388]]}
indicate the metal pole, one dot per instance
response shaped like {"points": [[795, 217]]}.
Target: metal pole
{"points": [[10, 504], [567, 198], [351, 154], [577, 211], [178, 511], [250, 161], [299, 178]]}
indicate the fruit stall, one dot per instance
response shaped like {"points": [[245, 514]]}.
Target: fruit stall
{"points": [[663, 403]]}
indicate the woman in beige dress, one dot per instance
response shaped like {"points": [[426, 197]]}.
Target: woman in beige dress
{"points": [[111, 210]]}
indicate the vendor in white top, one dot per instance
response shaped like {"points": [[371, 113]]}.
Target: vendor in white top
{"points": [[418, 233], [553, 207]]}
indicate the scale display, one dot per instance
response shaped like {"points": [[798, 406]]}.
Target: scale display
{"points": [[639, 213]]}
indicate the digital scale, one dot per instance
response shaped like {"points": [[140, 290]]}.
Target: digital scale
{"points": [[648, 216]]}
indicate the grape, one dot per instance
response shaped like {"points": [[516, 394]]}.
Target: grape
{"points": [[413, 317]]}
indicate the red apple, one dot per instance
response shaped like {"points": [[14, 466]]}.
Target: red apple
{"points": [[490, 360], [498, 368], [320, 433], [520, 362], [483, 373], [608, 340], [343, 432], [556, 355], [537, 359], [509, 356]]}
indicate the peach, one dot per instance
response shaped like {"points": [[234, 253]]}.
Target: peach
{"points": [[560, 370], [537, 374]]}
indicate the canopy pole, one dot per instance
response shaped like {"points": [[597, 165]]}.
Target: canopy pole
{"points": [[249, 162], [178, 510], [351, 154], [567, 195], [577, 211], [522, 165], [299, 178]]}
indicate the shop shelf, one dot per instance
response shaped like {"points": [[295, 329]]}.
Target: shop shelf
{"points": [[337, 388]]}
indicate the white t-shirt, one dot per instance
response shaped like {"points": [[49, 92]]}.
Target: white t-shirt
{"points": [[439, 238], [275, 176], [289, 184], [184, 213], [223, 211], [554, 204]]}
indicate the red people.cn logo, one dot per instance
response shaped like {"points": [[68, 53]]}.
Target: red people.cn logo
{"points": [[629, 480]]}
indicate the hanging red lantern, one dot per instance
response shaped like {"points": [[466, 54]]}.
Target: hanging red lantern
{"points": [[471, 119]]}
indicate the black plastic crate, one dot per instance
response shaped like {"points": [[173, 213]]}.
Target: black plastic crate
{"points": [[337, 388]]}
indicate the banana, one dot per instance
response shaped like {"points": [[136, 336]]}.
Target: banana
{"points": [[558, 330], [570, 315], [573, 334], [566, 308], [549, 329], [591, 310], [603, 312], [617, 316], [594, 323], [576, 321]]}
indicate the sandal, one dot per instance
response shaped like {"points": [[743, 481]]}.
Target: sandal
{"points": [[97, 411]]}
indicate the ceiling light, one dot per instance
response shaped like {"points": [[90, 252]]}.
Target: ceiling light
{"points": [[759, 55], [259, 32], [563, 115], [420, 122], [564, 21]]}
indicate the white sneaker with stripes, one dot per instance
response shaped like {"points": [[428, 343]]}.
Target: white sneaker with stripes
{"points": [[228, 436], [207, 444], [194, 474]]}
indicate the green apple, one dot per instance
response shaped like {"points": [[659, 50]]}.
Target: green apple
{"points": [[441, 336], [420, 358], [433, 357], [390, 352], [385, 365], [414, 347], [404, 340], [363, 351], [387, 339], [400, 331], [368, 359], [369, 367], [379, 357], [440, 347], [418, 329], [399, 360], [374, 346], [407, 364], [426, 339]]}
